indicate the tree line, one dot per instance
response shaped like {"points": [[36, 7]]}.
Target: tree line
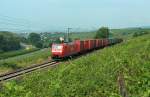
{"points": [[104, 32], [10, 41]]}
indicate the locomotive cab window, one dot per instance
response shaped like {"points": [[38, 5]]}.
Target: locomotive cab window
{"points": [[57, 47]]}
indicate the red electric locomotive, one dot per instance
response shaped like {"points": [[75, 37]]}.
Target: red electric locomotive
{"points": [[63, 50]]}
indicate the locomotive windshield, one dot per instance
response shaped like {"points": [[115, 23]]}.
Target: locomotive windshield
{"points": [[56, 48]]}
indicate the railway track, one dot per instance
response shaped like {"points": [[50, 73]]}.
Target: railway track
{"points": [[17, 73], [22, 71]]}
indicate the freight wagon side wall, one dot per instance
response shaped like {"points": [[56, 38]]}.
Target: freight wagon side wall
{"points": [[70, 49], [94, 43], [90, 44], [78, 47], [106, 42], [97, 43], [86, 45], [81, 46]]}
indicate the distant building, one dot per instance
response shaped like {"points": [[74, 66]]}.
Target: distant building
{"points": [[27, 47]]}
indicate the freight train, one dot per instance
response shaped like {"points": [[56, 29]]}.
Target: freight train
{"points": [[64, 50]]}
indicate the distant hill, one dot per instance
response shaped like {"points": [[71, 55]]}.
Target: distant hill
{"points": [[128, 32]]}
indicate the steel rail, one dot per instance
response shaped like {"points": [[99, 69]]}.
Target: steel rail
{"points": [[23, 71]]}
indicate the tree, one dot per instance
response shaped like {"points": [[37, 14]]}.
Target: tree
{"points": [[39, 44], [24, 40], [135, 34], [9, 41], [1, 43], [35, 39], [103, 32]]}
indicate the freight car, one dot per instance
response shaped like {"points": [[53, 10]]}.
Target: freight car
{"points": [[64, 50]]}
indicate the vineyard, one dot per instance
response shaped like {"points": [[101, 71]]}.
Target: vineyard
{"points": [[94, 75]]}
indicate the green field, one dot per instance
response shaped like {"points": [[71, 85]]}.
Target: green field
{"points": [[127, 33], [25, 60], [16, 53], [94, 75], [83, 35]]}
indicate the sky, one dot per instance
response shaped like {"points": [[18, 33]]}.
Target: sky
{"points": [[57, 15]]}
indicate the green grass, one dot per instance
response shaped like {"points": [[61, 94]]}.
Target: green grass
{"points": [[94, 75], [127, 33], [83, 35], [25, 60], [16, 53]]}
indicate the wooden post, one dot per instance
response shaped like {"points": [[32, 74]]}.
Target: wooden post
{"points": [[121, 85]]}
